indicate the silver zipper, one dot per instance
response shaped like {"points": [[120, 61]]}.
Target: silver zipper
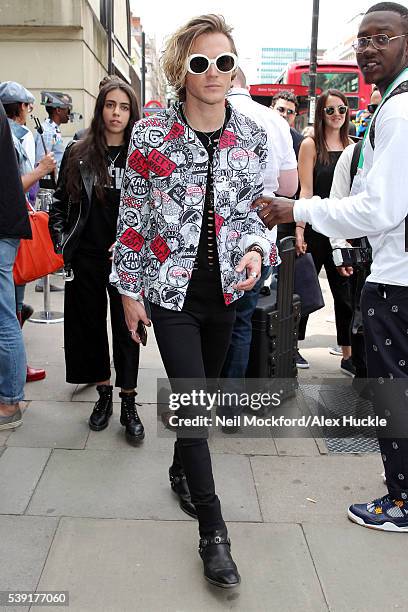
{"points": [[73, 230]]}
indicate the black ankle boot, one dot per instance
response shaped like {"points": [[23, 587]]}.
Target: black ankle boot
{"points": [[219, 566], [130, 419], [179, 486], [102, 411]]}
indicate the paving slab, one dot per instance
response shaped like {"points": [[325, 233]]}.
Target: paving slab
{"points": [[297, 447], [4, 436], [44, 342], [25, 542], [53, 387], [128, 565], [359, 569], [120, 484], [284, 485], [53, 425], [20, 470], [230, 444]]}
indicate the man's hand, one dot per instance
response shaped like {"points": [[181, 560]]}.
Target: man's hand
{"points": [[345, 270], [134, 312], [274, 210], [252, 262]]}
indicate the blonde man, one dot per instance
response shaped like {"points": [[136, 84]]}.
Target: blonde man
{"points": [[193, 246]]}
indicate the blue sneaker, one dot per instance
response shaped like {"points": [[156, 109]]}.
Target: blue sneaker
{"points": [[385, 514]]}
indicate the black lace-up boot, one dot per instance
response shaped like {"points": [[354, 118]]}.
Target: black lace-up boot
{"points": [[102, 411], [219, 566], [130, 419]]}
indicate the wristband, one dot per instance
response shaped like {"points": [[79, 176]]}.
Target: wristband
{"points": [[257, 249]]}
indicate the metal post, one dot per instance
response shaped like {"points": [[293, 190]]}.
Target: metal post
{"points": [[313, 62], [109, 32], [143, 77], [47, 315]]}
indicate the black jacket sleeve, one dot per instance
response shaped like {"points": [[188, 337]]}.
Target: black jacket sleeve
{"points": [[59, 210], [14, 221]]}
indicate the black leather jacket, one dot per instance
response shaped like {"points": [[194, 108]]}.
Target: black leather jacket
{"points": [[67, 218]]}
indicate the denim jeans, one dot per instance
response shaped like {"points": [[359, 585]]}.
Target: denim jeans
{"points": [[236, 362], [12, 353]]}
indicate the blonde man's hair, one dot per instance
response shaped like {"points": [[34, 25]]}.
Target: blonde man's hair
{"points": [[178, 48]]}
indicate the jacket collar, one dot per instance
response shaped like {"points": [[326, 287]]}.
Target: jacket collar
{"points": [[18, 130]]}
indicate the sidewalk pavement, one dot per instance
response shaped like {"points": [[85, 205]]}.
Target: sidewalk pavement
{"points": [[85, 512]]}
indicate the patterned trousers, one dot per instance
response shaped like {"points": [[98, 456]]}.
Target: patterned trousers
{"points": [[385, 317]]}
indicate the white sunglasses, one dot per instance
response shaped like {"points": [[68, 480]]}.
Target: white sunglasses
{"points": [[198, 63]]}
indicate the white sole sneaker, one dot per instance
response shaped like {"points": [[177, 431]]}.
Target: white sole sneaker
{"points": [[335, 350], [303, 366], [384, 527]]}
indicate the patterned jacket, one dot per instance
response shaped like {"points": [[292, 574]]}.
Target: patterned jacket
{"points": [[162, 204]]}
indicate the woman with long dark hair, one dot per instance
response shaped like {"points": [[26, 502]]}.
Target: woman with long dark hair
{"points": [[83, 222], [318, 157]]}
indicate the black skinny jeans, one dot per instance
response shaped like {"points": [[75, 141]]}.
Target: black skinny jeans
{"points": [[193, 343]]}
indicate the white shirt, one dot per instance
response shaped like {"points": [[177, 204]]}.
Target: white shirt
{"points": [[281, 155], [379, 210], [341, 186], [29, 146]]}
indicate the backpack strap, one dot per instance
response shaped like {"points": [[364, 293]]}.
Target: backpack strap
{"points": [[402, 88], [354, 160]]}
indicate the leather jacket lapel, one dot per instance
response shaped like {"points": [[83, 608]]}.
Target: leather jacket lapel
{"points": [[88, 178]]}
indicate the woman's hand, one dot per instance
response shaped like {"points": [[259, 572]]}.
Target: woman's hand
{"points": [[301, 246], [47, 164], [134, 312], [345, 270], [252, 263]]}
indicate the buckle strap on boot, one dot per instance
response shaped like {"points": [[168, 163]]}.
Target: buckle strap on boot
{"points": [[209, 540]]}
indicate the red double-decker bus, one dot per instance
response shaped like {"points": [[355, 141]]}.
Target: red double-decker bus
{"points": [[345, 76]]}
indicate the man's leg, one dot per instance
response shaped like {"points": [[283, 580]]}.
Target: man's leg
{"points": [[12, 354], [385, 317]]}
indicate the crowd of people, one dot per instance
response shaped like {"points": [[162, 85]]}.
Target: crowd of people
{"points": [[173, 218]]}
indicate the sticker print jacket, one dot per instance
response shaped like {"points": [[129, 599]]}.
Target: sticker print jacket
{"points": [[162, 204]]}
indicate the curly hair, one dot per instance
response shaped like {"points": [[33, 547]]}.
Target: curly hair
{"points": [[179, 45]]}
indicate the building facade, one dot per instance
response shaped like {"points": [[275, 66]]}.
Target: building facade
{"points": [[68, 46], [274, 60], [342, 49]]}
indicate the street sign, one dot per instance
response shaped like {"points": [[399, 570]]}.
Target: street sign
{"points": [[153, 106], [274, 88]]}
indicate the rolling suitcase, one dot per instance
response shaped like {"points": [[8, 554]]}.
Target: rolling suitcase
{"points": [[275, 324]]}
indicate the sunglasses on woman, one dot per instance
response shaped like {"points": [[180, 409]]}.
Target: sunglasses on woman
{"points": [[198, 63], [329, 110]]}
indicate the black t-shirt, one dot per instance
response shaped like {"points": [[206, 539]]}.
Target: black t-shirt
{"points": [[14, 221], [100, 230], [206, 277]]}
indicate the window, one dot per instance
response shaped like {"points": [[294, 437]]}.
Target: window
{"points": [[343, 81]]}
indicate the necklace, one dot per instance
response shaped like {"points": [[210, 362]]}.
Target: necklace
{"points": [[112, 162], [212, 142]]}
